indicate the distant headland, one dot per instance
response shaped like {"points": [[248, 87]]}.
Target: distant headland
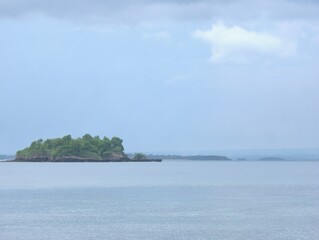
{"points": [[190, 157], [83, 149]]}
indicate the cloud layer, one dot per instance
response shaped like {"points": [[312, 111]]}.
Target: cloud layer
{"points": [[140, 11], [238, 44]]}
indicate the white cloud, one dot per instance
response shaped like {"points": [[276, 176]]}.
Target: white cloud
{"points": [[236, 44]]}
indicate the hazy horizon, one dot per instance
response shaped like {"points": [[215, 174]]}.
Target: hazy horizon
{"points": [[164, 75], [235, 154]]}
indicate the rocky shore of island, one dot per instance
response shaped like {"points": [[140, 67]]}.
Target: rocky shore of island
{"points": [[78, 159]]}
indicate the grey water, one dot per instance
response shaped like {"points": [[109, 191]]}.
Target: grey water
{"points": [[169, 200]]}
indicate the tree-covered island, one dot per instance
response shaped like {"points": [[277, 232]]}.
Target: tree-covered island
{"points": [[83, 149]]}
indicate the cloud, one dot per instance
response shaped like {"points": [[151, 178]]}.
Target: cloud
{"points": [[236, 44], [123, 11], [141, 11]]}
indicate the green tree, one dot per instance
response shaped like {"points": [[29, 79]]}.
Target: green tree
{"points": [[85, 147], [116, 144], [139, 156]]}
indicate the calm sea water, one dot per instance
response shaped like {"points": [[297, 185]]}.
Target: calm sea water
{"points": [[170, 200]]}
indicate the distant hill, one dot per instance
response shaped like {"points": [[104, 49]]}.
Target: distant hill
{"points": [[272, 159], [191, 157]]}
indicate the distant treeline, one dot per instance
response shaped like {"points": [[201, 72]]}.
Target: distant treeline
{"points": [[6, 157], [192, 157], [83, 147]]}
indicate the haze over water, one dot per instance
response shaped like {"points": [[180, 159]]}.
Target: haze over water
{"points": [[166, 76], [169, 200]]}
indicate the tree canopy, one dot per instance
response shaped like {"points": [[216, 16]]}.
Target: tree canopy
{"points": [[83, 147], [139, 156]]}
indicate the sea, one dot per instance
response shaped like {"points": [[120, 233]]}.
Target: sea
{"points": [[186, 200]]}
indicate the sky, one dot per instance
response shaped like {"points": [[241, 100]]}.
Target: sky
{"points": [[167, 76]]}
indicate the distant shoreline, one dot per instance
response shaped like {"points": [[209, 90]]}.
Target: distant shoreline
{"points": [[190, 157]]}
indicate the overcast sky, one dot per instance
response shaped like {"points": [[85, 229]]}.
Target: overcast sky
{"points": [[164, 75]]}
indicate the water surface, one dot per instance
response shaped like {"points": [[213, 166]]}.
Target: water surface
{"points": [[168, 200]]}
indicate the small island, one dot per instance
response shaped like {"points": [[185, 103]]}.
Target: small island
{"points": [[83, 149]]}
